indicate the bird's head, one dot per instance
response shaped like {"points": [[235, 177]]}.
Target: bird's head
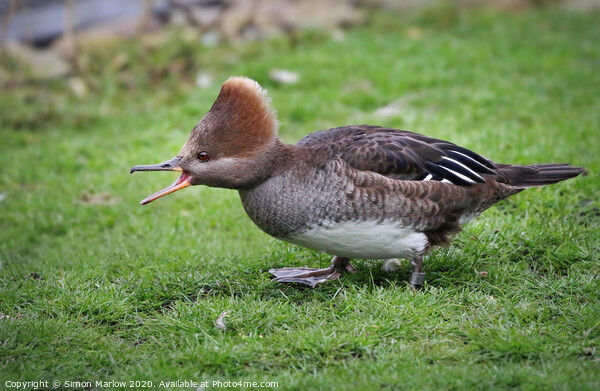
{"points": [[233, 146]]}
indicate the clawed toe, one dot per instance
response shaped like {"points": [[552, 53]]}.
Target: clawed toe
{"points": [[313, 277], [304, 275]]}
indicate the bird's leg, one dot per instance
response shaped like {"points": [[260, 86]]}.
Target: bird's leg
{"points": [[313, 277], [417, 278]]}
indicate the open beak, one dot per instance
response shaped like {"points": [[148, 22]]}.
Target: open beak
{"points": [[170, 165]]}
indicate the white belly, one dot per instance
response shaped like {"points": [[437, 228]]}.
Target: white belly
{"points": [[352, 239]]}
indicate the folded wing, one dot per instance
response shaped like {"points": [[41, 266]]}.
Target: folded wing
{"points": [[399, 154]]}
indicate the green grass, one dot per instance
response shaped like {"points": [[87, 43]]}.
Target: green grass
{"points": [[129, 292]]}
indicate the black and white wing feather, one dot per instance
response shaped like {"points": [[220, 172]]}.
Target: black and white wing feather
{"points": [[399, 154]]}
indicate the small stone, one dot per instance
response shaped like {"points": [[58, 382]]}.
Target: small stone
{"points": [[98, 199], [39, 64], [284, 76], [220, 321], [78, 87], [391, 110], [414, 32], [338, 35], [203, 80], [210, 39]]}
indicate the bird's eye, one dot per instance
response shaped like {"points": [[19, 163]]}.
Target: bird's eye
{"points": [[203, 156]]}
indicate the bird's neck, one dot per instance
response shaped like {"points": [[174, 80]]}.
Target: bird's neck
{"points": [[275, 158]]}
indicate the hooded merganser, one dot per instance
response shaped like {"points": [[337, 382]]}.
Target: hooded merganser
{"points": [[354, 191]]}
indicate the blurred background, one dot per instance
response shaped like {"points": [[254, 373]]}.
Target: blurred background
{"points": [[80, 40], [93, 87]]}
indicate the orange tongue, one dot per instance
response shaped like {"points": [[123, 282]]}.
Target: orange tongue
{"points": [[182, 182]]}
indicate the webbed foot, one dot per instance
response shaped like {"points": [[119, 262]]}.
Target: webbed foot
{"points": [[313, 277]]}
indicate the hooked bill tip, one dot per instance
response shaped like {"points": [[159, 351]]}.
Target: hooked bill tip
{"points": [[146, 201]]}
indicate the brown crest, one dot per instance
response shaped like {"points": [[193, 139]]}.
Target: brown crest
{"points": [[240, 123]]}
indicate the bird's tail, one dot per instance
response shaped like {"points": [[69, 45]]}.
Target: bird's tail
{"points": [[534, 175]]}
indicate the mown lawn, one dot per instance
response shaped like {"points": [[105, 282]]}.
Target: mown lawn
{"points": [[94, 286]]}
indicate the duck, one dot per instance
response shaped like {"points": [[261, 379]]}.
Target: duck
{"points": [[354, 192]]}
